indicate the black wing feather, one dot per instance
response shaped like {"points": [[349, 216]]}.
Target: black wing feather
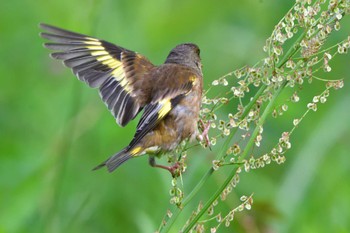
{"points": [[151, 118], [101, 65]]}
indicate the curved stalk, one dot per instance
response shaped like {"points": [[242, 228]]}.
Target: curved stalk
{"points": [[243, 156]]}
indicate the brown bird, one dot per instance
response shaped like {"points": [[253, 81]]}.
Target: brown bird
{"points": [[169, 94]]}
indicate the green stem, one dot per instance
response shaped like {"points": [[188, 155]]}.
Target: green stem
{"points": [[288, 55], [243, 156], [292, 50], [176, 211], [196, 189]]}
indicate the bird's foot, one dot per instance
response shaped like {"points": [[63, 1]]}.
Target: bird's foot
{"points": [[174, 169], [204, 135]]}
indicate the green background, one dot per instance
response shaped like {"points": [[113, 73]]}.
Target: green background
{"points": [[53, 129]]}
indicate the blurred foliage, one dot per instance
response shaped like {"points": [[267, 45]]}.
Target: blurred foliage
{"points": [[53, 129]]}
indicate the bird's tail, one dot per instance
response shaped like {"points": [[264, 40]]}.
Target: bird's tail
{"points": [[115, 161]]}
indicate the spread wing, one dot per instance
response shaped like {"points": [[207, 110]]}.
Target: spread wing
{"points": [[172, 87], [116, 71]]}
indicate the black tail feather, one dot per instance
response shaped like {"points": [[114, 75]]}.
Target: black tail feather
{"points": [[115, 161]]}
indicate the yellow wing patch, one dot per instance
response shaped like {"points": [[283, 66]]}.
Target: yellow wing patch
{"points": [[105, 58], [100, 53], [92, 41], [165, 109], [135, 151], [194, 80], [93, 47]]}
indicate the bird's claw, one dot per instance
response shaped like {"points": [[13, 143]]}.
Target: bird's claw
{"points": [[174, 169], [204, 136]]}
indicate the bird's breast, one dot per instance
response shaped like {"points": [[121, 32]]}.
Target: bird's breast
{"points": [[186, 115]]}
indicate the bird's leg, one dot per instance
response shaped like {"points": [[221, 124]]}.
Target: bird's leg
{"points": [[172, 169], [205, 129]]}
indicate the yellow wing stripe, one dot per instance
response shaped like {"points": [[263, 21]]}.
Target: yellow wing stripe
{"points": [[89, 42], [165, 109], [118, 73], [100, 53], [112, 63], [105, 58], [92, 39], [135, 151], [94, 47], [124, 83]]}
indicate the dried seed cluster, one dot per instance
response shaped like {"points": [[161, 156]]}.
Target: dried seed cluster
{"points": [[249, 91]]}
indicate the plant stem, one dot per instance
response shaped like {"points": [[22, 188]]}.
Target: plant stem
{"points": [[292, 50], [222, 153], [176, 212], [243, 156]]}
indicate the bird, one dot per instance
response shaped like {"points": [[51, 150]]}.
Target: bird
{"points": [[168, 95]]}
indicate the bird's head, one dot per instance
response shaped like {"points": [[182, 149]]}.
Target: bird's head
{"points": [[186, 54]]}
